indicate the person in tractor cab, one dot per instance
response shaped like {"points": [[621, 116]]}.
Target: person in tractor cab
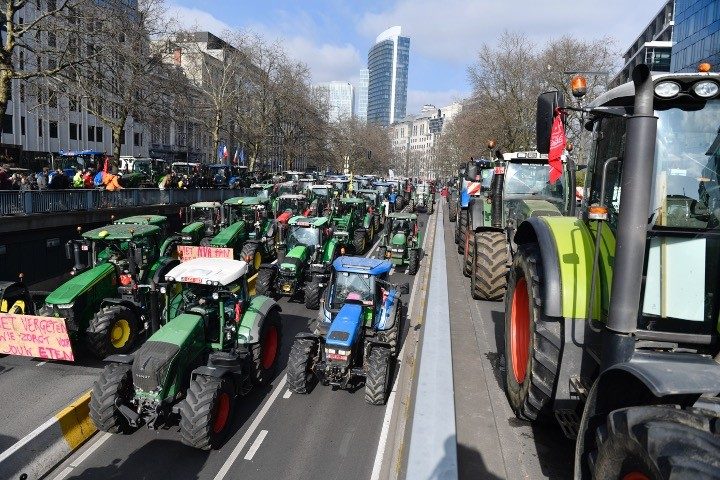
{"points": [[353, 286]]}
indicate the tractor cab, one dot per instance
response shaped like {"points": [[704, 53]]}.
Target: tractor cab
{"points": [[356, 280], [264, 191], [292, 176], [251, 210], [340, 185], [159, 221], [305, 184], [383, 188], [130, 247], [307, 232], [289, 205], [203, 220]]}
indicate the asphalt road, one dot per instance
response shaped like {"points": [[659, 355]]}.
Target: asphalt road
{"points": [[276, 434], [491, 442]]}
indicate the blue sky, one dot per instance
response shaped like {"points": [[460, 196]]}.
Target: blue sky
{"points": [[333, 36]]}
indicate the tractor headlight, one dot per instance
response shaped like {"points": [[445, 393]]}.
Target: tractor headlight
{"points": [[65, 306], [215, 296], [163, 290], [706, 89], [186, 238], [667, 89]]}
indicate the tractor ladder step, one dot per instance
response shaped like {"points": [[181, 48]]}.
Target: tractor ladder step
{"points": [[579, 388], [569, 422]]}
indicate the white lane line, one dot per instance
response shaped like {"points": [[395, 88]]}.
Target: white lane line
{"points": [[253, 426], [255, 445], [75, 463], [40, 364], [64, 473], [380, 454], [287, 394], [372, 249]]}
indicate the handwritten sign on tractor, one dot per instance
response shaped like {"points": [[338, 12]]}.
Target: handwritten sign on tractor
{"points": [[189, 252], [31, 336]]}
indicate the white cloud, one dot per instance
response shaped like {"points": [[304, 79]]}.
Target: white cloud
{"points": [[195, 19], [326, 61], [454, 32], [417, 98]]}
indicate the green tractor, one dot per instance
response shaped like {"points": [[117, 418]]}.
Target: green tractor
{"points": [[109, 301], [203, 220], [401, 241], [376, 206], [519, 189], [159, 221], [304, 261], [352, 223], [252, 228], [216, 343], [625, 359], [423, 200]]}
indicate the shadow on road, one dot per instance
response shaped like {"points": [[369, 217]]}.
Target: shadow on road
{"points": [[6, 442]]}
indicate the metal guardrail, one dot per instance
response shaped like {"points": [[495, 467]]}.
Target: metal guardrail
{"points": [[432, 453], [53, 201]]}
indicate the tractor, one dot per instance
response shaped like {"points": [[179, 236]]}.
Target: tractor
{"points": [[626, 359], [376, 205], [203, 220], [304, 260], [352, 223], [290, 205], [519, 189], [321, 198], [390, 196], [216, 343], [159, 221], [357, 335], [251, 228], [471, 184], [109, 301], [401, 241], [423, 200], [264, 191]]}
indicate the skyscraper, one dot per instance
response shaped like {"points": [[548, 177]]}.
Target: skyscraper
{"points": [[697, 35], [388, 62], [340, 98], [362, 100]]}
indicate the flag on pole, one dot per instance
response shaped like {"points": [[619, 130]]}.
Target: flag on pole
{"points": [[242, 156], [221, 148], [225, 152], [236, 157], [557, 145]]}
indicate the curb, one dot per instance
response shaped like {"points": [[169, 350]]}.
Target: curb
{"points": [[42, 449]]}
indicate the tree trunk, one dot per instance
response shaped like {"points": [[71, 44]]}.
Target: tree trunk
{"points": [[216, 131], [116, 146], [5, 87]]}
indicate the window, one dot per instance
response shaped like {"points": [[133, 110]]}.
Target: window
{"points": [[91, 133], [53, 129], [22, 93], [80, 131], [51, 39], [22, 125], [122, 137], [99, 134], [7, 126], [21, 60], [73, 131], [40, 127], [137, 140]]}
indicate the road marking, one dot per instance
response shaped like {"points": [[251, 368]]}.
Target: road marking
{"points": [[372, 249], [380, 453], [345, 444], [256, 444], [287, 394], [253, 426], [64, 473], [40, 364], [75, 463]]}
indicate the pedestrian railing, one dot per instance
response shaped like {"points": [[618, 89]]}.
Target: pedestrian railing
{"points": [[13, 202]]}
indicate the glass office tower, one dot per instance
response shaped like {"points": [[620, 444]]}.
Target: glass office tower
{"points": [[388, 62], [697, 35]]}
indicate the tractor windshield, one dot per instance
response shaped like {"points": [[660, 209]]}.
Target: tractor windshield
{"points": [[204, 214], [532, 179], [292, 204], [686, 192], [358, 286], [382, 189], [142, 167], [321, 192], [307, 236]]}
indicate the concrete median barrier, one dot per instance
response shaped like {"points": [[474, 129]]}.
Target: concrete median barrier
{"points": [[46, 446]]}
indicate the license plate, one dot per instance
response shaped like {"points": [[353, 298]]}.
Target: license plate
{"points": [[337, 357], [84, 248]]}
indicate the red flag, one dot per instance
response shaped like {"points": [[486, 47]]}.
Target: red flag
{"points": [[557, 145]]}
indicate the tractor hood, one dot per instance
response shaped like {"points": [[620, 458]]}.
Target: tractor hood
{"points": [[295, 258], [536, 208], [399, 239], [228, 235], [180, 330], [345, 328], [79, 284], [193, 227]]}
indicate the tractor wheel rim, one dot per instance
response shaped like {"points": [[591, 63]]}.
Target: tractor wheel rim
{"points": [[222, 412], [635, 476], [257, 260], [120, 333], [520, 330], [269, 347]]}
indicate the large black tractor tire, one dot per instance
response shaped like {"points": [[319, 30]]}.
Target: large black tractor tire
{"points": [[462, 229], [658, 443], [377, 381], [452, 210], [392, 335], [532, 340], [359, 241], [399, 203], [413, 261], [264, 282], [114, 386], [469, 252], [251, 254], [490, 265], [313, 293], [206, 413], [266, 352], [112, 330], [376, 222], [300, 375]]}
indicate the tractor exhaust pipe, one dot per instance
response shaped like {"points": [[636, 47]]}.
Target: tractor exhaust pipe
{"points": [[618, 346]]}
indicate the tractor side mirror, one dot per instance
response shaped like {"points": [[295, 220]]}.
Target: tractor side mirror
{"points": [[404, 288], [546, 104]]}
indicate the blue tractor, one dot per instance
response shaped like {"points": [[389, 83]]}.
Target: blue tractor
{"points": [[358, 332]]}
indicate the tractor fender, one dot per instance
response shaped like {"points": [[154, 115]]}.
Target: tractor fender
{"points": [[125, 303], [389, 311], [367, 221], [329, 251], [161, 267], [254, 317], [206, 371], [566, 250], [125, 359], [171, 241], [476, 213]]}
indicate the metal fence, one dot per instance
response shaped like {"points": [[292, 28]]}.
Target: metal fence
{"points": [[52, 201]]}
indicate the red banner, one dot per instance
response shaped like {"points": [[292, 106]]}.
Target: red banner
{"points": [[189, 252], [557, 145]]}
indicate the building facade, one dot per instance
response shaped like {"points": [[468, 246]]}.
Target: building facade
{"points": [[388, 63], [697, 35], [361, 104], [414, 139], [654, 46], [340, 99]]}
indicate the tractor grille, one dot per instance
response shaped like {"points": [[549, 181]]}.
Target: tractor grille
{"points": [[151, 365]]}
